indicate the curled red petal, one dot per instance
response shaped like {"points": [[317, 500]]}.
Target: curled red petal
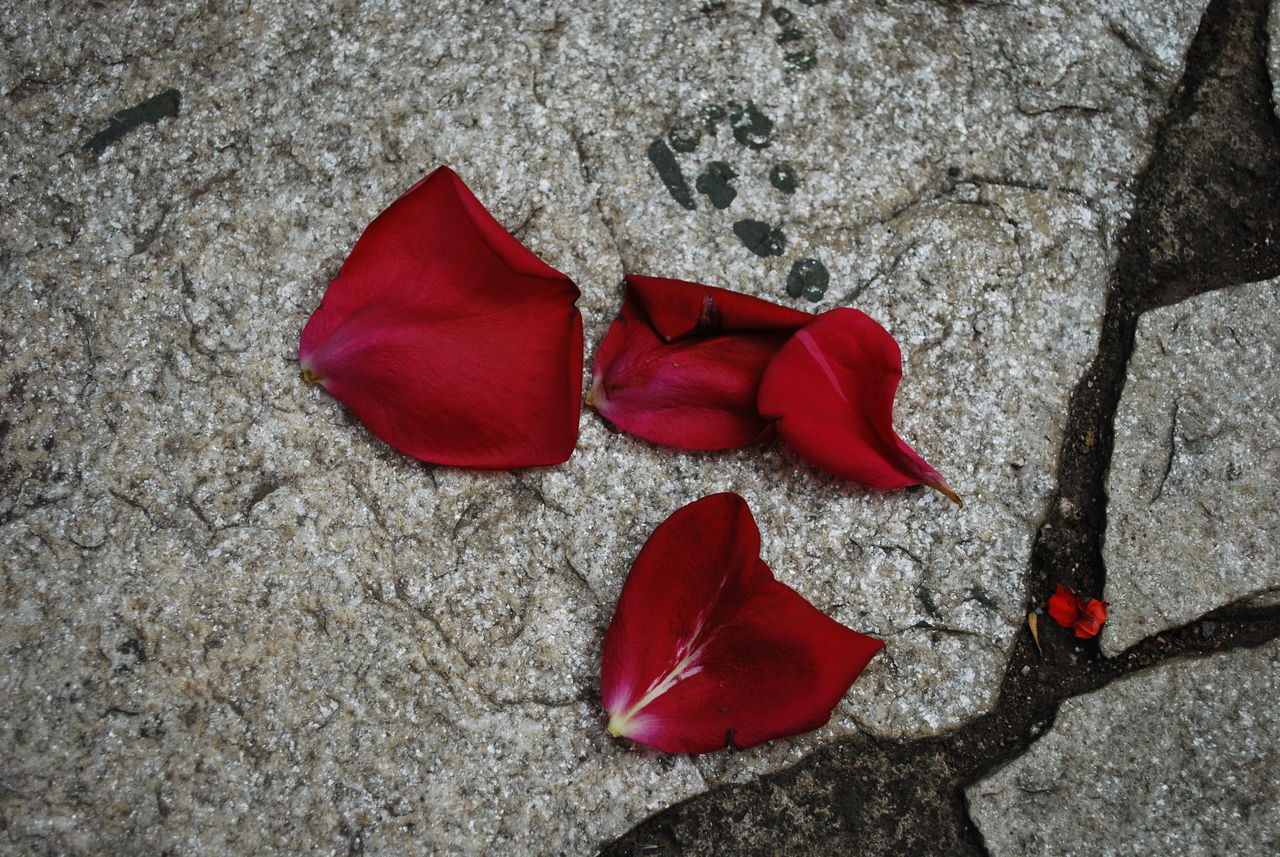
{"points": [[707, 649], [448, 338], [1083, 615], [681, 364], [831, 388], [1095, 614], [679, 308]]}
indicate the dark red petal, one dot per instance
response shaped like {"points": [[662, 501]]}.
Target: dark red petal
{"points": [[695, 389], [679, 308], [1064, 606], [831, 388], [696, 393], [449, 339], [707, 649]]}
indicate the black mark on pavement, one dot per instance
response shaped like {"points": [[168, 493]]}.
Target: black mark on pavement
{"points": [[152, 110]]}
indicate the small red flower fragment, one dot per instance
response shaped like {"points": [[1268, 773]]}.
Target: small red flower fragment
{"points": [[681, 364], [831, 388], [448, 338], [1080, 613], [708, 650]]}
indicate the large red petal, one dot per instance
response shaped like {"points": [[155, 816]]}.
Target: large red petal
{"points": [[707, 649], [449, 339], [831, 388], [681, 364]]}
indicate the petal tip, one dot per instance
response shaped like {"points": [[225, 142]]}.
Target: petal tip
{"points": [[940, 485], [625, 724]]}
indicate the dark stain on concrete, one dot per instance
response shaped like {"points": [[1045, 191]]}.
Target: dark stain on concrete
{"points": [[760, 238], [684, 138], [783, 177], [808, 279], [152, 110], [801, 60], [751, 128], [712, 115], [714, 182], [664, 160]]}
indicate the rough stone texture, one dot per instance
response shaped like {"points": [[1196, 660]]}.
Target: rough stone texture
{"points": [[1194, 487], [1273, 52], [1179, 760], [234, 622]]}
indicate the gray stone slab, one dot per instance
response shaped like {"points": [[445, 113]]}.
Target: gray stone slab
{"points": [[1180, 760], [1194, 487], [235, 622]]}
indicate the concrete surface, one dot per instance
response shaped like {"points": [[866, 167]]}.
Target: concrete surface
{"points": [[234, 621], [1194, 515], [1178, 760]]}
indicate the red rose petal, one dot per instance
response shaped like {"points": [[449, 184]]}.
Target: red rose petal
{"points": [[679, 308], [448, 338], [1083, 615], [831, 388], [1063, 606], [681, 364], [707, 649]]}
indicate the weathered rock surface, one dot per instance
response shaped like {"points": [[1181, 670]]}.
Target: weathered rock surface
{"points": [[1273, 52], [1180, 760], [1194, 487], [233, 621]]}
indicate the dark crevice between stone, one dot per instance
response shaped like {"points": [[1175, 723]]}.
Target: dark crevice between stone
{"points": [[1206, 213], [1206, 216]]}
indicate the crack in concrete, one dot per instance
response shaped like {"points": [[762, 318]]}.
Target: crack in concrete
{"points": [[1172, 441], [593, 186], [1145, 57], [166, 104]]}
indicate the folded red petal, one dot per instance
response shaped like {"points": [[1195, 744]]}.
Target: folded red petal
{"points": [[681, 364], [707, 649], [1090, 622], [1083, 615], [1063, 606], [448, 338], [679, 308], [831, 389]]}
